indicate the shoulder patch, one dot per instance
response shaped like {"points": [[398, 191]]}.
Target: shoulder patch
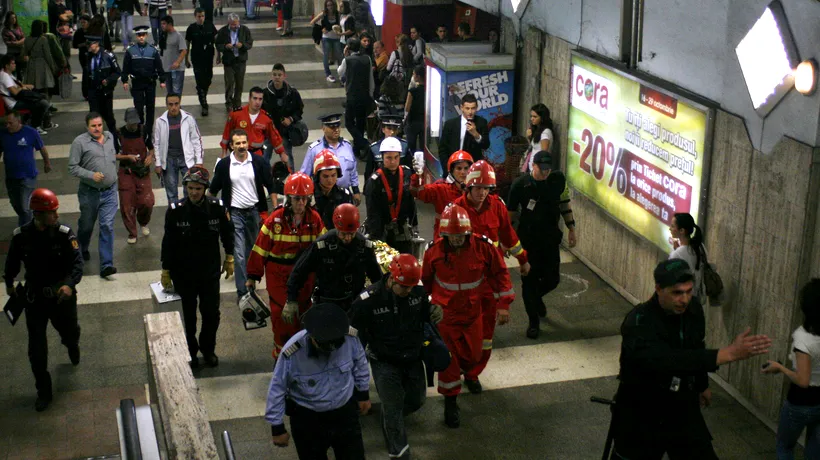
{"points": [[17, 231], [364, 295], [374, 144], [320, 244], [352, 331], [237, 110], [292, 349], [347, 192], [485, 239], [374, 176], [220, 202], [368, 244], [173, 205], [64, 229], [314, 144]]}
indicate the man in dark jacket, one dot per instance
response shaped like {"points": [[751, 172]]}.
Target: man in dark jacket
{"points": [[233, 42], [664, 362], [244, 198], [200, 37], [284, 106], [390, 316], [143, 64], [468, 132], [356, 70], [103, 72]]}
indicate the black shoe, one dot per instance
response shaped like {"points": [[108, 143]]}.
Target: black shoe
{"points": [[473, 385], [74, 354], [532, 332], [42, 403], [195, 363], [86, 256], [211, 360], [452, 418], [204, 110], [287, 34], [108, 271]]}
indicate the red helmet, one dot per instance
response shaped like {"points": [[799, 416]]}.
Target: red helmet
{"points": [[298, 184], [460, 155], [454, 221], [326, 160], [481, 174], [405, 270], [346, 218], [43, 199]]}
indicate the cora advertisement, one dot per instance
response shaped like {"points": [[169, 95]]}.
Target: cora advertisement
{"points": [[635, 150]]}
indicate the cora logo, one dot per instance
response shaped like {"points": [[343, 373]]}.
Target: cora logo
{"points": [[591, 93]]}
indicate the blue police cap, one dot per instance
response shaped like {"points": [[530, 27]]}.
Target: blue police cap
{"points": [[434, 352], [326, 322], [391, 120], [93, 38], [331, 119], [141, 29]]}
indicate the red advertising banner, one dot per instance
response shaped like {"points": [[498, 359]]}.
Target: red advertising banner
{"points": [[651, 188], [658, 101]]}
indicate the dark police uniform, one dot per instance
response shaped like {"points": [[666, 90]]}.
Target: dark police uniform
{"points": [[52, 258], [392, 329], [320, 390], [144, 64], [664, 363], [391, 209], [538, 204], [340, 269], [325, 204], [201, 38], [374, 161], [190, 250], [103, 67]]}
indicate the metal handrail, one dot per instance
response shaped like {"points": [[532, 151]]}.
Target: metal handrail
{"points": [[131, 434], [228, 445]]}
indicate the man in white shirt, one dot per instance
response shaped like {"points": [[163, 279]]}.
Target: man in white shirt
{"points": [[242, 178], [177, 146]]}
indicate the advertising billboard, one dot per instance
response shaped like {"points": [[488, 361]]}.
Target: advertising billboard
{"points": [[636, 150]]}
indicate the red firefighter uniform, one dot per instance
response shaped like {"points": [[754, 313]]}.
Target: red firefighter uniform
{"points": [[458, 280], [258, 131], [277, 247], [441, 192], [492, 220]]}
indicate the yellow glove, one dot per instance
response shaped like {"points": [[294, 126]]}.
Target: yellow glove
{"points": [[165, 280], [227, 267]]}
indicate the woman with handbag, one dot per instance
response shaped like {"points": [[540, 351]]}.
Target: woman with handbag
{"points": [[687, 241], [45, 61], [14, 38]]}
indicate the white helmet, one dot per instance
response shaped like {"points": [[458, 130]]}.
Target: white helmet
{"points": [[390, 144]]}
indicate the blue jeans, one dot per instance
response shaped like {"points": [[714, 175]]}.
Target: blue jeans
{"points": [[250, 5], [174, 168], [793, 419], [245, 228], [127, 21], [331, 46], [174, 81], [19, 195], [98, 204], [156, 31]]}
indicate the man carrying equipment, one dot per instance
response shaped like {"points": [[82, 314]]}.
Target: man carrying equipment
{"points": [[443, 191]]}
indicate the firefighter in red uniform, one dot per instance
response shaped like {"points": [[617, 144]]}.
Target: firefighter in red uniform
{"points": [[257, 124], [443, 191], [289, 230], [489, 217], [460, 270]]}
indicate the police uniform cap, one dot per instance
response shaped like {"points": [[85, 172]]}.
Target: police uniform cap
{"points": [[141, 29], [326, 322], [542, 158], [671, 272], [93, 38], [331, 119], [391, 120]]}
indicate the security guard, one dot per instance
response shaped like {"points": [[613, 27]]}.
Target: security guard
{"points": [[200, 37], [332, 140], [390, 128], [391, 209], [341, 259], [103, 72], [191, 260], [390, 316], [143, 64], [663, 381], [537, 201], [54, 267], [323, 384], [327, 194]]}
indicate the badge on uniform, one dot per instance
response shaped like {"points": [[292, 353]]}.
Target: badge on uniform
{"points": [[531, 205], [75, 244], [277, 229], [243, 124]]}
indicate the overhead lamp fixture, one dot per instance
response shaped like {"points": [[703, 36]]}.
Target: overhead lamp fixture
{"points": [[805, 77]]}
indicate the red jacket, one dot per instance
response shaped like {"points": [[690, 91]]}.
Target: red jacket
{"points": [[259, 131], [440, 193], [459, 279], [493, 221]]}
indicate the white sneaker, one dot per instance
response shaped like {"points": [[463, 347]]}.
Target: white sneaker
{"points": [[146, 231], [131, 240], [41, 131], [279, 28], [331, 79]]}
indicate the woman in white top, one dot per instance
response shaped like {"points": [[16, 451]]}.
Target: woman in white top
{"points": [[802, 406], [687, 244], [347, 22], [418, 45], [540, 136]]}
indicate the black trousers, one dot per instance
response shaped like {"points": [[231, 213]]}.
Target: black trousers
{"points": [[203, 71], [688, 449], [207, 292], [63, 317], [316, 432], [356, 111], [414, 131], [144, 93], [103, 104], [544, 276], [208, 6]]}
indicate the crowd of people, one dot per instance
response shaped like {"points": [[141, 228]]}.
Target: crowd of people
{"points": [[347, 297]]}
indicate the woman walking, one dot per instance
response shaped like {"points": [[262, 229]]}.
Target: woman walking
{"points": [[687, 241], [540, 136], [331, 46]]}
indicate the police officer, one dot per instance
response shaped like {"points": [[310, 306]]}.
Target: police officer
{"points": [[191, 260], [143, 64], [664, 362], [332, 140], [327, 194], [390, 316], [200, 37], [323, 384], [103, 72], [390, 128], [537, 201], [391, 209], [341, 259], [54, 266]]}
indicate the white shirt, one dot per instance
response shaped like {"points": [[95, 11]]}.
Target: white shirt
{"points": [[463, 132], [688, 254], [253, 117], [7, 82], [810, 344], [243, 183], [535, 146]]}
